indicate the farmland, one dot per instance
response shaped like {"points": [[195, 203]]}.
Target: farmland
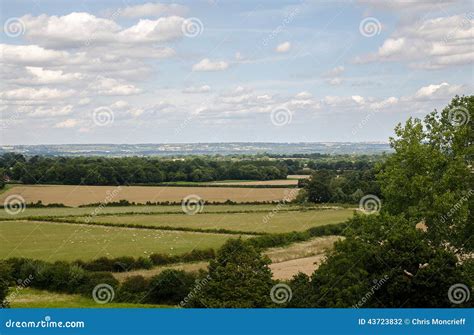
{"points": [[71, 195], [261, 222], [62, 241]]}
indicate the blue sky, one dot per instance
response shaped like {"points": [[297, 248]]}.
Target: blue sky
{"points": [[221, 71]]}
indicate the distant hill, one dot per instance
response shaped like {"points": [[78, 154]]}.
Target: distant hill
{"points": [[179, 149]]}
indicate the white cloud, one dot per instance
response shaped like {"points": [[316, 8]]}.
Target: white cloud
{"points": [[111, 86], [336, 71], [29, 54], [332, 76], [197, 89], [28, 93], [207, 65], [51, 111], [72, 30], [283, 47], [432, 44], [69, 123], [120, 104], [42, 76], [163, 29], [442, 90], [152, 10]]}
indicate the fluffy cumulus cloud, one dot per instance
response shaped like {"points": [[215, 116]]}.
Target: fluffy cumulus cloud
{"points": [[429, 44], [208, 65]]}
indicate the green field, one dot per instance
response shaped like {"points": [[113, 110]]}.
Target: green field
{"points": [[62, 241], [78, 211], [266, 222], [32, 298]]}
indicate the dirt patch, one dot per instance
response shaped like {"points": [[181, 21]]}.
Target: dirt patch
{"points": [[286, 270]]}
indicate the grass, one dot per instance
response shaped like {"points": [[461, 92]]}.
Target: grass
{"points": [[262, 222], [80, 211], [32, 298], [74, 195], [62, 241], [317, 246]]}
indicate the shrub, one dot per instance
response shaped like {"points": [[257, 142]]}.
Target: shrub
{"points": [[133, 290], [170, 286]]}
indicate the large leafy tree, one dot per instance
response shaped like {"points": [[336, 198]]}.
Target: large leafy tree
{"points": [[386, 262], [430, 176], [239, 278]]}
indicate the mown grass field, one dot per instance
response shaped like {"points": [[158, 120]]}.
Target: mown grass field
{"points": [[73, 195], [63, 241], [32, 298], [261, 222]]}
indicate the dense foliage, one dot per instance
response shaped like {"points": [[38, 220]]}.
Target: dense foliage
{"points": [[326, 186], [239, 277], [133, 170]]}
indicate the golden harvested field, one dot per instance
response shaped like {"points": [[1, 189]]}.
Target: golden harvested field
{"points": [[72, 195], [299, 176]]}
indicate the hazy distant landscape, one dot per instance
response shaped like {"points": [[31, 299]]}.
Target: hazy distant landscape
{"points": [[180, 149]]}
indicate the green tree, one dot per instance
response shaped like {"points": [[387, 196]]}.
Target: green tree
{"points": [[386, 262], [5, 279], [170, 286], [429, 177], [239, 278]]}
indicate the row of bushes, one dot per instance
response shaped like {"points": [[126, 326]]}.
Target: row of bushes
{"points": [[126, 263], [123, 203], [283, 239], [169, 287]]}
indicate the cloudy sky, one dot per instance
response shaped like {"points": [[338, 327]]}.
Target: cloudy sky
{"points": [[221, 71]]}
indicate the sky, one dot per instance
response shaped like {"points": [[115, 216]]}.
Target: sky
{"points": [[227, 71]]}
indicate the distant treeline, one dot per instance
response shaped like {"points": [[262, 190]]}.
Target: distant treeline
{"points": [[153, 170], [134, 170]]}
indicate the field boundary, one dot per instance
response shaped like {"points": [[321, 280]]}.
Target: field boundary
{"points": [[137, 226]]}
